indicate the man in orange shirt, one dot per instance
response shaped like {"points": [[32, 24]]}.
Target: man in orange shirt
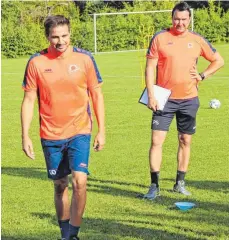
{"points": [[174, 52], [62, 78]]}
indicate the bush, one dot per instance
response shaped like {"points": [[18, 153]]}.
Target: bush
{"points": [[210, 22], [22, 25], [23, 31]]}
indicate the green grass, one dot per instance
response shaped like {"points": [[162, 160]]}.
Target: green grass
{"points": [[121, 171]]}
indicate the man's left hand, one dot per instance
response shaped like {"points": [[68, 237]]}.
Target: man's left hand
{"points": [[194, 74], [99, 141]]}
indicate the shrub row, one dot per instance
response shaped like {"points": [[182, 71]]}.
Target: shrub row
{"points": [[23, 32]]}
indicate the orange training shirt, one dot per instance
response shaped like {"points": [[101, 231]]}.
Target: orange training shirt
{"points": [[176, 57], [63, 85]]}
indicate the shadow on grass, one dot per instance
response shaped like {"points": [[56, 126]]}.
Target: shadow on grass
{"points": [[22, 238], [119, 230], [37, 173], [50, 217], [189, 216], [40, 173], [110, 229], [206, 184], [162, 200], [105, 186], [115, 191], [179, 227], [90, 179]]}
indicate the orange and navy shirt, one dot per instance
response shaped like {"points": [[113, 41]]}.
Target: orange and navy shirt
{"points": [[176, 57], [63, 85]]}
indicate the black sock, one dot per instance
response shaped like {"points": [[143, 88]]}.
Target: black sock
{"points": [[73, 230], [64, 228], [155, 177], [180, 176]]}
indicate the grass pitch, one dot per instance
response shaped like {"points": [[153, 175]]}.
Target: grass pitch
{"points": [[121, 172]]}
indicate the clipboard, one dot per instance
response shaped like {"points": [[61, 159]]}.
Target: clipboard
{"points": [[161, 94]]}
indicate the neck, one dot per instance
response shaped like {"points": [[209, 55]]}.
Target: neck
{"points": [[56, 53], [179, 33]]}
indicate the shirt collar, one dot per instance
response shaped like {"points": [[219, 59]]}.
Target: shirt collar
{"points": [[65, 54], [174, 33]]}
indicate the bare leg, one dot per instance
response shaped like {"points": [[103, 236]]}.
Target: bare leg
{"points": [[155, 152], [79, 187], [155, 159], [183, 154], [61, 198]]}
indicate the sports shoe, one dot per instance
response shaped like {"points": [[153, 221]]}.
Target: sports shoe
{"points": [[73, 238], [180, 188], [153, 192]]}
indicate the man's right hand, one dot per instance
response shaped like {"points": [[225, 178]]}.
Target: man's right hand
{"points": [[27, 147], [152, 104]]}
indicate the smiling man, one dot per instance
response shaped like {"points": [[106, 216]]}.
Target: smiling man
{"points": [[62, 78], [174, 53]]}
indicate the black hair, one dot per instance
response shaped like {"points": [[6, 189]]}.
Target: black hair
{"points": [[182, 6], [53, 21]]}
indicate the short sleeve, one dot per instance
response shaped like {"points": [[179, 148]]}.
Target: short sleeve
{"points": [[153, 48], [207, 51], [30, 77], [94, 78]]}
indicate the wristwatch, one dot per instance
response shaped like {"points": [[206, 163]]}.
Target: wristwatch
{"points": [[202, 76]]}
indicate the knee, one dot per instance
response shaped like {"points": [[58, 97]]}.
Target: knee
{"points": [[184, 141], [156, 142], [79, 184], [60, 186]]}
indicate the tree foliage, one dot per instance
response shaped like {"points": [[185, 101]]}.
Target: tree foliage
{"points": [[23, 31]]}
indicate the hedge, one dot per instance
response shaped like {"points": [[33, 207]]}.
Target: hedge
{"points": [[23, 31]]}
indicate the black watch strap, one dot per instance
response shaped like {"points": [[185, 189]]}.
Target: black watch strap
{"points": [[202, 76]]}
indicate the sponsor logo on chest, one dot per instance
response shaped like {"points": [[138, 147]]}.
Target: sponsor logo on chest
{"points": [[48, 70]]}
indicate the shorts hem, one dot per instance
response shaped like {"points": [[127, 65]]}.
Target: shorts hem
{"points": [[58, 177], [185, 132], [81, 170], [164, 130]]}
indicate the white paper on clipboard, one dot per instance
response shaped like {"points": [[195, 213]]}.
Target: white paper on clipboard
{"points": [[161, 95]]}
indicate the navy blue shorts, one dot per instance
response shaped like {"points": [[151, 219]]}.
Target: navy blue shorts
{"points": [[185, 111], [64, 156]]}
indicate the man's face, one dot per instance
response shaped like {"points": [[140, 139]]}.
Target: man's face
{"points": [[181, 21], [59, 38]]}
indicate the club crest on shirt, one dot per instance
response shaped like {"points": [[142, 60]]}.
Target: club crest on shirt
{"points": [[73, 68], [190, 45]]}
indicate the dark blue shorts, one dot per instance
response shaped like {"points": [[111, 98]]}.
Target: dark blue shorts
{"points": [[64, 156], [185, 111]]}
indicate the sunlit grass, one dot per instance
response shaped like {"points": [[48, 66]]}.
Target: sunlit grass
{"points": [[121, 171]]}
